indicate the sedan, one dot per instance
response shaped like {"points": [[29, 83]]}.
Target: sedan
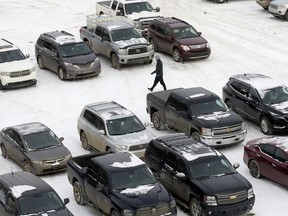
{"points": [[34, 147], [268, 157]]}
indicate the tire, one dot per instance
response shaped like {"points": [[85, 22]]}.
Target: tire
{"points": [[196, 135], [154, 45], [254, 169], [4, 152], [221, 1], [84, 141], [149, 62], [286, 16], [40, 63], [195, 208], [114, 61], [176, 55], [229, 104], [114, 213], [265, 125], [157, 122], [1, 85], [78, 194], [61, 73], [26, 166]]}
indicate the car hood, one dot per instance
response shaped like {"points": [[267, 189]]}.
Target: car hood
{"points": [[143, 195], [130, 42], [279, 2], [13, 66], [281, 107], [219, 119], [192, 41], [80, 59], [141, 137], [48, 154], [223, 184], [59, 212], [144, 15]]}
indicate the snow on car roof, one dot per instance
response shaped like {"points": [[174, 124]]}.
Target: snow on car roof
{"points": [[196, 95], [19, 189], [139, 190], [30, 128], [134, 161], [281, 142], [62, 39]]}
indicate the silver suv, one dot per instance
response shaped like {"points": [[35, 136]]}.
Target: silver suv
{"points": [[107, 126]]}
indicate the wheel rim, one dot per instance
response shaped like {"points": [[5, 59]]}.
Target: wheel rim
{"points": [[77, 192], [156, 121], [176, 55], [253, 168], [26, 167], [61, 73], [84, 140], [195, 208], [153, 45], [196, 136], [3, 150], [114, 60], [40, 63], [264, 126], [229, 104]]}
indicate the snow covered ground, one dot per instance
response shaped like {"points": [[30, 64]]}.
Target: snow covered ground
{"points": [[243, 37]]}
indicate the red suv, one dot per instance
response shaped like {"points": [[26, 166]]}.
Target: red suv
{"points": [[177, 37]]}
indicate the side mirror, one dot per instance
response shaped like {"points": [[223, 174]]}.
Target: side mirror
{"points": [[200, 33], [183, 113], [105, 38], [66, 201], [102, 132], [180, 175], [236, 165], [157, 9], [99, 187], [27, 55], [119, 13], [61, 139]]}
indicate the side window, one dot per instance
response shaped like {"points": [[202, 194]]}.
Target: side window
{"points": [[161, 29], [153, 26], [103, 178], [121, 8], [253, 94], [280, 155], [90, 117], [100, 124], [40, 42], [114, 4], [106, 34], [47, 45], [182, 107], [10, 202], [2, 194], [155, 153], [92, 172], [99, 31], [267, 149], [242, 88], [181, 167], [173, 102], [168, 32], [171, 160]]}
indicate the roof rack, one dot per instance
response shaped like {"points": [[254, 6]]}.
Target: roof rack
{"points": [[7, 41]]}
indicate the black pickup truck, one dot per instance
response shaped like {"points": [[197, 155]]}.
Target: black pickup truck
{"points": [[118, 184], [197, 112]]}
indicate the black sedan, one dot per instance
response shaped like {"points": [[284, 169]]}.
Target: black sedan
{"points": [[34, 147]]}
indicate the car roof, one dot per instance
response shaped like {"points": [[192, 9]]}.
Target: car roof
{"points": [[28, 184], [62, 37], [6, 45], [116, 24], [258, 81], [280, 142], [118, 160], [29, 128], [110, 110], [187, 147], [173, 22]]}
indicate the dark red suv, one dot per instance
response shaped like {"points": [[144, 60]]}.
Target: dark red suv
{"points": [[177, 37]]}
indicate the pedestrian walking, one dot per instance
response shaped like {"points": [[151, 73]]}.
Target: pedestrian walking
{"points": [[159, 74]]}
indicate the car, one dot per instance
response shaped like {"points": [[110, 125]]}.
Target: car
{"points": [[23, 193], [178, 38], [198, 176], [69, 57], [35, 147], [268, 157], [279, 8], [107, 125], [264, 3], [16, 70], [260, 99]]}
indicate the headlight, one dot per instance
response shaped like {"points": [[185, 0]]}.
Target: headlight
{"points": [[172, 204], [127, 212], [121, 148], [121, 51], [37, 162], [149, 47], [68, 157], [185, 48], [94, 62], [5, 73], [206, 131], [136, 24], [208, 45], [210, 200], [243, 126], [250, 193], [71, 66], [32, 69]]}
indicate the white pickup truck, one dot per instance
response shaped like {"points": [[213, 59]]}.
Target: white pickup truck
{"points": [[138, 12]]}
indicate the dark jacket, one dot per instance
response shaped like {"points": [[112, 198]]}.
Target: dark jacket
{"points": [[159, 69]]}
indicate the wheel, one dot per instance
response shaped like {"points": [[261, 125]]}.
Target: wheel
{"points": [[1, 85], [195, 208], [40, 62], [221, 1], [154, 45], [176, 55], [84, 141], [157, 122], [196, 135], [78, 194], [61, 73], [4, 152], [26, 166], [115, 61], [254, 169], [115, 213], [229, 104], [265, 125], [286, 16]]}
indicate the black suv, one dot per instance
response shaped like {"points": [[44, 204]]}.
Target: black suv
{"points": [[199, 177], [259, 98], [22, 193], [177, 37], [69, 57]]}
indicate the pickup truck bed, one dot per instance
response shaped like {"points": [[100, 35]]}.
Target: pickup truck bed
{"points": [[105, 3]]}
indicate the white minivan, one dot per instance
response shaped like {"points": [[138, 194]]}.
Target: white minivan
{"points": [[16, 70]]}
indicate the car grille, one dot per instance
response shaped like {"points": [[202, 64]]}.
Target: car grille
{"points": [[160, 209], [199, 46], [145, 24], [227, 130], [51, 162], [137, 50], [84, 66], [225, 199], [138, 147], [19, 73]]}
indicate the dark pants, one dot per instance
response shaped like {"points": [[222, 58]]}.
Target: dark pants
{"points": [[158, 79]]}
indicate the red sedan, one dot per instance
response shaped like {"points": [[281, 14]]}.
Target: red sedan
{"points": [[268, 156]]}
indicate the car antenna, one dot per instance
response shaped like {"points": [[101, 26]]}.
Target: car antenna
{"points": [[12, 171]]}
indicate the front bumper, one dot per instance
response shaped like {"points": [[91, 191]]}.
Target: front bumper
{"points": [[83, 72], [39, 168], [195, 54], [136, 58], [276, 11], [9, 82]]}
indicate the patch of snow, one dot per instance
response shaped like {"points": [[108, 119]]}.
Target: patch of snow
{"points": [[19, 189], [132, 41], [140, 190], [196, 95], [282, 107], [134, 161]]}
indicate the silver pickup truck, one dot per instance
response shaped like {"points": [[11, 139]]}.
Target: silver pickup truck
{"points": [[118, 40]]}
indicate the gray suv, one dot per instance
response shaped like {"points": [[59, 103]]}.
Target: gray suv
{"points": [[70, 58], [107, 126]]}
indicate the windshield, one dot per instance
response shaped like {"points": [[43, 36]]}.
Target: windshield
{"points": [[124, 34], [207, 167], [187, 32], [70, 50], [12, 55], [41, 140], [124, 126], [138, 7], [132, 177], [39, 203], [275, 95], [208, 107]]}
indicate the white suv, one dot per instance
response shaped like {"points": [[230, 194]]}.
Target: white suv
{"points": [[15, 68]]}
